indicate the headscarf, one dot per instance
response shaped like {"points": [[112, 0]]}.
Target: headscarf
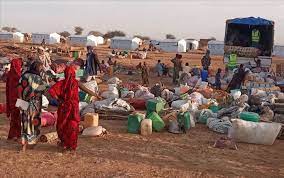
{"points": [[69, 81], [33, 69], [16, 67], [14, 76]]}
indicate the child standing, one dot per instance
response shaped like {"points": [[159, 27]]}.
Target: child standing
{"points": [[218, 79]]}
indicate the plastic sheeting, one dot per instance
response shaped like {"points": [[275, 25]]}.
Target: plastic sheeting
{"points": [[250, 21]]}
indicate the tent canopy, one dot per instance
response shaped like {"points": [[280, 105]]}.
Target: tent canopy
{"points": [[250, 21]]}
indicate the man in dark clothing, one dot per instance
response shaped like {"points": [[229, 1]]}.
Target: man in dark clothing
{"points": [[218, 79], [92, 64], [237, 79], [206, 60], [177, 67]]}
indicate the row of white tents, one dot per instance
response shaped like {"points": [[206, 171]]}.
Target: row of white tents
{"points": [[124, 43], [169, 45], [53, 38]]}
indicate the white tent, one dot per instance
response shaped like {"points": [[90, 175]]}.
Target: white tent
{"points": [[216, 47], [192, 44], [100, 40], [125, 43], [91, 41], [37, 38], [18, 37], [278, 50], [6, 36], [80, 40], [172, 45], [54, 38]]}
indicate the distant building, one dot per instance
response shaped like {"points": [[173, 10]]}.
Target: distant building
{"points": [[14, 37], [192, 44], [172, 45], [278, 50], [37, 38], [52, 38], [203, 44], [125, 43], [81, 40], [216, 47]]}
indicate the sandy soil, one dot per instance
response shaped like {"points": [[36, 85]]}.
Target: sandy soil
{"points": [[120, 154]]}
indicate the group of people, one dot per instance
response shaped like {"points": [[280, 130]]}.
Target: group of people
{"points": [[28, 87], [180, 71], [93, 65]]}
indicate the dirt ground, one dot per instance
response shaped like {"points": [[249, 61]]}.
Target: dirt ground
{"points": [[120, 154]]}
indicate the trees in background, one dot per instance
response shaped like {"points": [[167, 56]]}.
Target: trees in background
{"points": [[64, 34], [170, 36], [10, 29], [78, 30], [111, 34], [142, 37], [95, 33]]}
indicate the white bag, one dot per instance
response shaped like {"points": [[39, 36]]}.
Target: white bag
{"points": [[236, 94], [114, 80], [254, 132], [94, 131], [112, 87], [192, 120], [180, 104], [92, 85], [22, 104], [44, 101]]}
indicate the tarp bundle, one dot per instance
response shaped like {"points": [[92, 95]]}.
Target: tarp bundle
{"points": [[250, 21]]}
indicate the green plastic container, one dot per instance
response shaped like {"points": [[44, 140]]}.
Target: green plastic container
{"points": [[157, 123], [133, 123], [79, 73], [214, 109], [154, 105], [250, 116], [84, 97], [184, 119], [75, 54]]}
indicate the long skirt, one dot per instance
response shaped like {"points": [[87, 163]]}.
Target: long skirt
{"points": [[68, 127], [31, 123], [15, 124]]}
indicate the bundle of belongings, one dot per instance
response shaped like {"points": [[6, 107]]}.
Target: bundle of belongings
{"points": [[236, 113], [242, 51]]}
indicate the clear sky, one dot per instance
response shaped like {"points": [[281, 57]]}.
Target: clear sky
{"points": [[154, 18]]}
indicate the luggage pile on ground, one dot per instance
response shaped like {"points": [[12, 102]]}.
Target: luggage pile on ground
{"points": [[159, 109]]}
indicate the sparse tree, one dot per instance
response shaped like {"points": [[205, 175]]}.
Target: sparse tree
{"points": [[7, 29], [65, 34], [13, 29], [10, 29], [78, 30], [142, 37], [213, 38], [112, 34], [170, 36], [95, 33]]}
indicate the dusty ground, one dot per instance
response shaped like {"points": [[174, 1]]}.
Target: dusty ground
{"points": [[120, 154]]}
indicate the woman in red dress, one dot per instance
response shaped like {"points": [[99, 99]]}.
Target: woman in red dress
{"points": [[13, 78], [66, 92]]}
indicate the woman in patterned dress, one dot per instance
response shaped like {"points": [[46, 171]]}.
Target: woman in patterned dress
{"points": [[31, 88]]}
